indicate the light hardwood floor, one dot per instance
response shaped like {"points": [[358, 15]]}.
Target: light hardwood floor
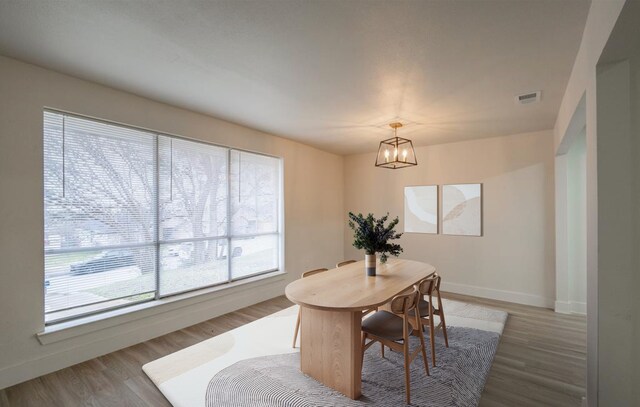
{"points": [[541, 361]]}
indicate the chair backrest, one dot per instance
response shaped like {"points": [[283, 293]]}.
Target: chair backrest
{"points": [[427, 285], [312, 272], [403, 303], [438, 280], [344, 263], [430, 286]]}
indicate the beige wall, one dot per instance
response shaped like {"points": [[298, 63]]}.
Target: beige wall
{"points": [[514, 260], [313, 218]]}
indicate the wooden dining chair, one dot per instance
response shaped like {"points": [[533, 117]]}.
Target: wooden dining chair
{"points": [[305, 274], [426, 310], [344, 263], [392, 329]]}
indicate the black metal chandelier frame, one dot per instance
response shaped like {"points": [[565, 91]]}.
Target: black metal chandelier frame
{"points": [[398, 147]]}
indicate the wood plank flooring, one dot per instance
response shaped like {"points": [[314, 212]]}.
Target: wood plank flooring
{"points": [[541, 361]]}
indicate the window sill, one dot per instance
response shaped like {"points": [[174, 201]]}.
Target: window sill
{"points": [[85, 325]]}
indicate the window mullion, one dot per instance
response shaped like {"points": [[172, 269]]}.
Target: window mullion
{"points": [[229, 251], [157, 214]]}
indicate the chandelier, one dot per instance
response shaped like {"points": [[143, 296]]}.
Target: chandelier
{"points": [[396, 152]]}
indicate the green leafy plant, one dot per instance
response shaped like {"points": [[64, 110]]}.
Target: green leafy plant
{"points": [[373, 236]]}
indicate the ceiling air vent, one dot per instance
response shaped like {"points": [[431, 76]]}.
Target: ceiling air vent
{"points": [[526, 98]]}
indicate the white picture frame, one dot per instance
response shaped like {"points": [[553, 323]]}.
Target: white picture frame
{"points": [[461, 213], [421, 209]]}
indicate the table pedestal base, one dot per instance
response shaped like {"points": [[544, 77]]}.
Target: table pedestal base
{"points": [[330, 348]]}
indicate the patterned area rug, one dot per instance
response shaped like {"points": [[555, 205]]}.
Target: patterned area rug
{"points": [[244, 366], [276, 381]]}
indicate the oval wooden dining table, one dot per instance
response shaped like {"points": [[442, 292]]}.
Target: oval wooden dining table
{"points": [[332, 305]]}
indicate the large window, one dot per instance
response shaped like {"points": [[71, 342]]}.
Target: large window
{"points": [[133, 216]]}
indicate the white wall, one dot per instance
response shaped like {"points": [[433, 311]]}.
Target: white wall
{"points": [[618, 186], [582, 84], [565, 216], [514, 260], [635, 114], [635, 279], [618, 126], [313, 217], [561, 179], [577, 223], [617, 243], [571, 226]]}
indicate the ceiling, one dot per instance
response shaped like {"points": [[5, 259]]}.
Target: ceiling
{"points": [[331, 74]]}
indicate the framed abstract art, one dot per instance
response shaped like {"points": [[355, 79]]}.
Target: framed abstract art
{"points": [[462, 209], [421, 209]]}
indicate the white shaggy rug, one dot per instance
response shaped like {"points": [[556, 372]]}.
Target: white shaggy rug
{"points": [[204, 374]]}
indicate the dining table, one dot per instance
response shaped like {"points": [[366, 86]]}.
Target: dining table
{"points": [[332, 305]]}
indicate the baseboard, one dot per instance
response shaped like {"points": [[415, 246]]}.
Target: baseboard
{"points": [[501, 295], [571, 307], [136, 332], [579, 307], [562, 307]]}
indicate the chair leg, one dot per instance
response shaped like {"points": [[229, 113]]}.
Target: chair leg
{"points": [[424, 352], [364, 340], [295, 333], [432, 338], [444, 329], [407, 379], [382, 349]]}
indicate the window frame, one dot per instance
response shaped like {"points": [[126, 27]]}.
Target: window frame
{"points": [[157, 242]]}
